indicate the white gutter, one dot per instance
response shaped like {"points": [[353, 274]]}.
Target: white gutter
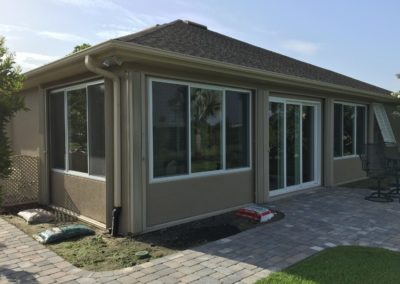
{"points": [[117, 125]]}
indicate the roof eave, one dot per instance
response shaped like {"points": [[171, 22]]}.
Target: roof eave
{"points": [[132, 50]]}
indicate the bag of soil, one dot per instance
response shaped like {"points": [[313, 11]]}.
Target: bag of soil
{"points": [[255, 213], [62, 233], [36, 216]]}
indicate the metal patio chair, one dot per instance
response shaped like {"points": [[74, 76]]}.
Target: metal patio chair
{"points": [[392, 156], [375, 165]]}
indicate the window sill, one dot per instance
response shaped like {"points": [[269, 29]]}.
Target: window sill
{"points": [[346, 157], [199, 175], [79, 174]]}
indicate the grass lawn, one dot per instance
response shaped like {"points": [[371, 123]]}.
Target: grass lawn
{"points": [[346, 264], [99, 252]]}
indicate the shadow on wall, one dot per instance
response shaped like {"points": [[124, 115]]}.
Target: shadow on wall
{"points": [[69, 204], [17, 276]]}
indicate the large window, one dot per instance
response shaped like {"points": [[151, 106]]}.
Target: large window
{"points": [[77, 129], [197, 129], [349, 129]]}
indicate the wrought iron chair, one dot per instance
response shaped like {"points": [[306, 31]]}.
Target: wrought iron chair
{"points": [[392, 156], [375, 165]]}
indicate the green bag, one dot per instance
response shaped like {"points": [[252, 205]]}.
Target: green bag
{"points": [[62, 233]]}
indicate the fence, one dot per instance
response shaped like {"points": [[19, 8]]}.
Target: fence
{"points": [[22, 186]]}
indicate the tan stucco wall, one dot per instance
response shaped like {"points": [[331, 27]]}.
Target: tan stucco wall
{"points": [[24, 128], [347, 170], [80, 195], [171, 201]]}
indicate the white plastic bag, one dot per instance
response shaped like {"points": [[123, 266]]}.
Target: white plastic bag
{"points": [[36, 216]]}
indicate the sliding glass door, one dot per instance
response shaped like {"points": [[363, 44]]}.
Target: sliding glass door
{"points": [[293, 145]]}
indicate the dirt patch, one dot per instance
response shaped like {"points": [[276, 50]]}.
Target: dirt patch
{"points": [[102, 252], [203, 231]]}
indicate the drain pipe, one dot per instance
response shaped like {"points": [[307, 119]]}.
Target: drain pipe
{"points": [[117, 140]]}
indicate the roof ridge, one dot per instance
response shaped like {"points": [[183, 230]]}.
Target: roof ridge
{"points": [[319, 73], [147, 31], [291, 58]]}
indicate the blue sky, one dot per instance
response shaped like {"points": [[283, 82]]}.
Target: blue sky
{"points": [[356, 38]]}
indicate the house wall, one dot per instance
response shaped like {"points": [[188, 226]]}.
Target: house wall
{"points": [[180, 200], [171, 201], [347, 170], [84, 196], [150, 205], [176, 200], [24, 127]]}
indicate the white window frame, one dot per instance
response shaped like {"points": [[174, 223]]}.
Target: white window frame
{"points": [[355, 105], [65, 90], [190, 175], [317, 146]]}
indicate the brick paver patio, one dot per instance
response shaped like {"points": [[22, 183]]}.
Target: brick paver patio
{"points": [[314, 220]]}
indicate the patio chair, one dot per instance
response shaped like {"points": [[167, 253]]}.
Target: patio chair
{"points": [[374, 164], [392, 156]]}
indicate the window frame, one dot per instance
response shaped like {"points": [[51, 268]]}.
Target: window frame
{"points": [[355, 105], [190, 175], [66, 169]]}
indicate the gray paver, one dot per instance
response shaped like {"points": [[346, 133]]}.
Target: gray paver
{"points": [[313, 221]]}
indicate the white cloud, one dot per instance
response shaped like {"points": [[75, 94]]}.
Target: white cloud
{"points": [[11, 31], [12, 28], [62, 36], [301, 47], [30, 60]]}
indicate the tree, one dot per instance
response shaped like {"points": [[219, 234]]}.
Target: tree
{"points": [[11, 81], [81, 47], [396, 113]]}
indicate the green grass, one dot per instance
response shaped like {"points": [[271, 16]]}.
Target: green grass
{"points": [[347, 264], [100, 252]]}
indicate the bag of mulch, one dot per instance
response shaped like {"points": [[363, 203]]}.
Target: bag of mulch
{"points": [[36, 216], [62, 233], [256, 213]]}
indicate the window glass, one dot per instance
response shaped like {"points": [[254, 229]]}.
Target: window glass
{"points": [[293, 144], [170, 129], [57, 130], [96, 118], [77, 130], [338, 130], [276, 145], [206, 129], [237, 129], [348, 130], [361, 131], [308, 124]]}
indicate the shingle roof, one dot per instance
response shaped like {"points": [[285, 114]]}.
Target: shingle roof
{"points": [[191, 39]]}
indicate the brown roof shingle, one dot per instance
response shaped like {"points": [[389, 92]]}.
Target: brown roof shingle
{"points": [[190, 39]]}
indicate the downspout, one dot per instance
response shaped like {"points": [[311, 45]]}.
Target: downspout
{"points": [[117, 139]]}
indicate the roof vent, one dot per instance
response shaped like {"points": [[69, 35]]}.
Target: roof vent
{"points": [[196, 25]]}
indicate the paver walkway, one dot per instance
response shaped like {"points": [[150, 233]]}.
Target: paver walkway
{"points": [[314, 220]]}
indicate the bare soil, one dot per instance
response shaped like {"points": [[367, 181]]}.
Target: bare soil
{"points": [[102, 252]]}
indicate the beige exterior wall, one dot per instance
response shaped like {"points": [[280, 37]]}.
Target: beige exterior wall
{"points": [[144, 204], [190, 197], [24, 128], [84, 196], [347, 170], [171, 201]]}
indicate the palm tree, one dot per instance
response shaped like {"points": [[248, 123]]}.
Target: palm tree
{"points": [[205, 104]]}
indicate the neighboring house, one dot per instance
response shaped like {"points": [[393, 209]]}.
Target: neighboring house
{"points": [[178, 122]]}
